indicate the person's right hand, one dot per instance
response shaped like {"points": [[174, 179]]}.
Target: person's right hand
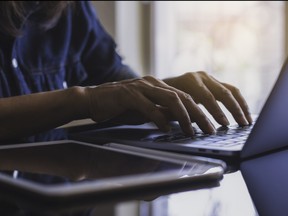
{"points": [[150, 97]]}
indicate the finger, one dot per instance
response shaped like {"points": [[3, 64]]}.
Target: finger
{"points": [[210, 103], [194, 112], [240, 99], [225, 96], [150, 111], [145, 98], [171, 100]]}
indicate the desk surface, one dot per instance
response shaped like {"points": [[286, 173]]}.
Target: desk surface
{"points": [[230, 198]]}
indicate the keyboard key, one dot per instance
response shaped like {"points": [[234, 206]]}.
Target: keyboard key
{"points": [[225, 136]]}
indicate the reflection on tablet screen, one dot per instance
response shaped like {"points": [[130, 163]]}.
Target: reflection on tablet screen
{"points": [[64, 174], [71, 162]]}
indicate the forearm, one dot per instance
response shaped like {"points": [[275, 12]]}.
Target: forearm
{"points": [[29, 114]]}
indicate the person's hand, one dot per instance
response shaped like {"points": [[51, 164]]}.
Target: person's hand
{"points": [[150, 97], [206, 90]]}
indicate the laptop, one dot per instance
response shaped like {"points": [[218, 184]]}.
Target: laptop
{"points": [[266, 178], [60, 176], [268, 132]]}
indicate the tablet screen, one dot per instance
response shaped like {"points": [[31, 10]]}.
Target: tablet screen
{"points": [[66, 174], [72, 162]]}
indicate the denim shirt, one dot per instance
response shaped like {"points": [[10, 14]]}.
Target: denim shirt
{"points": [[76, 51]]}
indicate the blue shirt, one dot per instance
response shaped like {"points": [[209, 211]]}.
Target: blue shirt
{"points": [[76, 51]]}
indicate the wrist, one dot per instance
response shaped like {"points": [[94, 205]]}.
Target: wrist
{"points": [[79, 102]]}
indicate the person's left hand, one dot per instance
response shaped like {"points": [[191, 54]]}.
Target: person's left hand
{"points": [[206, 90]]}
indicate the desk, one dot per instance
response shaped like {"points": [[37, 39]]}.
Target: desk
{"points": [[230, 198]]}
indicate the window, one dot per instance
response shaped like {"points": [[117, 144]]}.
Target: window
{"points": [[239, 42]]}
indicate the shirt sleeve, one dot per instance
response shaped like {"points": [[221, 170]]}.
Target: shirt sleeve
{"points": [[99, 57]]}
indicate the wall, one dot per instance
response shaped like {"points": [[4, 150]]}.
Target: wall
{"points": [[124, 21]]}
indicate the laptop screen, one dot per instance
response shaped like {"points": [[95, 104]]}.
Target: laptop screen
{"points": [[270, 131], [267, 180]]}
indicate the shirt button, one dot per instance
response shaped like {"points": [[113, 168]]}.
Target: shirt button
{"points": [[14, 63], [65, 85]]}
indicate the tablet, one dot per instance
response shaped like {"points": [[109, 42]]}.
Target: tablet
{"points": [[65, 175]]}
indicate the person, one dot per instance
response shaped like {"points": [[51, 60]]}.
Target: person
{"points": [[58, 64]]}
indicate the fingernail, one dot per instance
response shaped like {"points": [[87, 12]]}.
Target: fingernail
{"points": [[212, 129], [191, 131], [244, 121], [249, 118], [225, 121]]}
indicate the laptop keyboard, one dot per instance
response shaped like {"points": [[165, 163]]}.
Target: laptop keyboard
{"points": [[225, 136]]}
